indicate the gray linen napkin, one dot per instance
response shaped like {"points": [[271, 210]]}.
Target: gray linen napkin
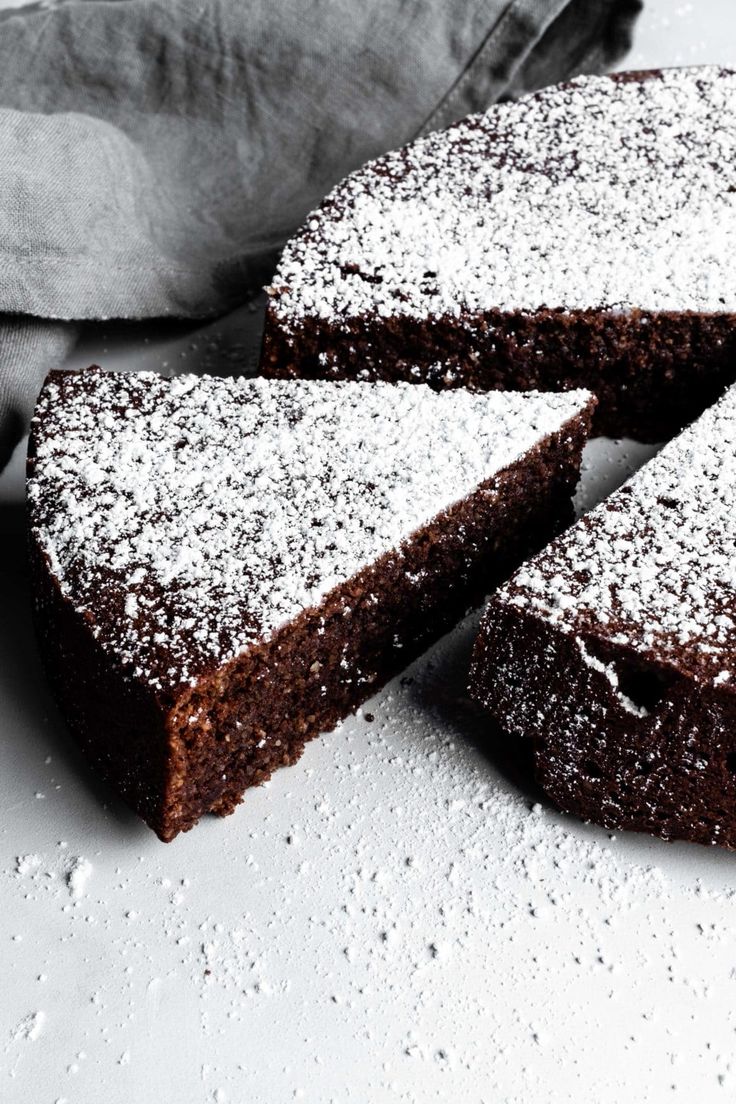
{"points": [[154, 156]]}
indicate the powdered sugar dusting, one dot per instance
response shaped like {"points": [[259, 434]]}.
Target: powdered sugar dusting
{"points": [[597, 194], [30, 1027], [654, 564], [78, 877], [245, 501]]}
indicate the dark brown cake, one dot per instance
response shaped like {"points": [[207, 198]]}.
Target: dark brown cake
{"points": [[614, 650], [224, 568], [581, 237]]}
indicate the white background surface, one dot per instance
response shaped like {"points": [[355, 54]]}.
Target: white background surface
{"points": [[393, 919]]}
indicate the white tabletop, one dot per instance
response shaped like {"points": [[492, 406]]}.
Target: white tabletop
{"points": [[399, 917]]}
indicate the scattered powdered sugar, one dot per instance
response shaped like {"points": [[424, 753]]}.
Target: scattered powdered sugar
{"points": [[27, 864], [597, 194], [30, 1027], [191, 517], [398, 910], [654, 564], [70, 872], [78, 877]]}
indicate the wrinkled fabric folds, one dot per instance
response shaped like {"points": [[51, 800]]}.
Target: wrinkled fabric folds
{"points": [[154, 156]]}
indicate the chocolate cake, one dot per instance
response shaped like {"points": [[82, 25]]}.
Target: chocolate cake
{"points": [[614, 650], [224, 568], [581, 237]]}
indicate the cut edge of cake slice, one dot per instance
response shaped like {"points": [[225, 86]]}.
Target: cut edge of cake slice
{"points": [[614, 649], [224, 568]]}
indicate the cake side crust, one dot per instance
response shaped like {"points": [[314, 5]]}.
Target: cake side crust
{"points": [[651, 373], [620, 740], [115, 719]]}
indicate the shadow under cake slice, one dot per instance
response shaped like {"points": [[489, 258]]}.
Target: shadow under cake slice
{"points": [[224, 568], [614, 649], [580, 237]]}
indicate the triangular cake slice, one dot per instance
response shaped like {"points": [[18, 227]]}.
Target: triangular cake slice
{"points": [[224, 568], [580, 237], [615, 648]]}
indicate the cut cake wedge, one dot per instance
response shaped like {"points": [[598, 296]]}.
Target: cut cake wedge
{"points": [[225, 568], [614, 649]]}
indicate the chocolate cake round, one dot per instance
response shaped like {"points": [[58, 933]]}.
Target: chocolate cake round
{"points": [[582, 236]]}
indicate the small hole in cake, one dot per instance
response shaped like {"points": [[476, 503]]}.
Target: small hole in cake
{"points": [[731, 762], [645, 687], [592, 769], [641, 684]]}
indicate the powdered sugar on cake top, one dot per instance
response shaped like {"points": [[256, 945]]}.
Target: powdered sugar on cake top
{"points": [[598, 194], [654, 566], [200, 514]]}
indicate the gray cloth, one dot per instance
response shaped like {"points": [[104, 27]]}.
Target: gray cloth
{"points": [[154, 156]]}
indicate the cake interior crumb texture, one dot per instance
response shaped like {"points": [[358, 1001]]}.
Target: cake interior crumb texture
{"points": [[226, 567], [581, 236], [615, 648]]}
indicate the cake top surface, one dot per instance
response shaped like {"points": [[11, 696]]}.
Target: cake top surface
{"points": [[192, 517], [600, 194], [654, 566]]}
